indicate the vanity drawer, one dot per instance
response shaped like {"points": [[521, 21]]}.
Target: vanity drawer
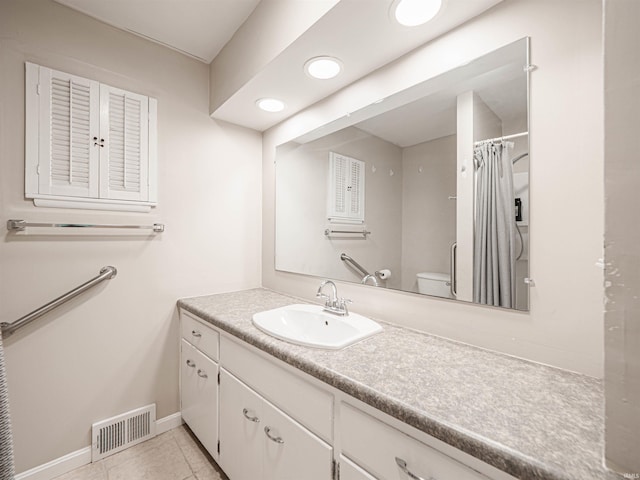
{"points": [[375, 446], [199, 335], [305, 402]]}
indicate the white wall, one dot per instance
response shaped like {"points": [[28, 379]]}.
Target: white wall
{"points": [[565, 324], [622, 234], [428, 215], [116, 347], [302, 179]]}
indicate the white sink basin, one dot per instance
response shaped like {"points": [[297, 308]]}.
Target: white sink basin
{"points": [[309, 325]]}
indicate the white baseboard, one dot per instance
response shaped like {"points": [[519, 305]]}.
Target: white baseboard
{"points": [[168, 423], [59, 466], [81, 457]]}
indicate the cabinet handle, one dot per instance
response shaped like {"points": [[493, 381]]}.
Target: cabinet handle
{"points": [[279, 440], [190, 364], [403, 466], [245, 412], [196, 333], [202, 373]]}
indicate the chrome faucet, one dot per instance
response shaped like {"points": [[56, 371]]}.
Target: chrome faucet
{"points": [[333, 304]]}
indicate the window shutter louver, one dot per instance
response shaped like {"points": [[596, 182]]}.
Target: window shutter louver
{"points": [[125, 171], [68, 160], [340, 185], [354, 181], [346, 188]]}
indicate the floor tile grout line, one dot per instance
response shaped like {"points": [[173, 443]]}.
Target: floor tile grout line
{"points": [[193, 473]]}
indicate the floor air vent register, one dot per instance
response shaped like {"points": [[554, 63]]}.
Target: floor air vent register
{"points": [[122, 431]]}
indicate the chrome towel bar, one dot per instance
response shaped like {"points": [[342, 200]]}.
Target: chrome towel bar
{"points": [[106, 273], [20, 225], [329, 232]]}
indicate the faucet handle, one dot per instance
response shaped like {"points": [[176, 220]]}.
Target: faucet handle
{"points": [[325, 297], [342, 304]]}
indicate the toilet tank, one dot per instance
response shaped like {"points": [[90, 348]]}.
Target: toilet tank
{"points": [[435, 284]]}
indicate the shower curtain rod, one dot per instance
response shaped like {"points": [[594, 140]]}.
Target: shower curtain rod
{"points": [[500, 139]]}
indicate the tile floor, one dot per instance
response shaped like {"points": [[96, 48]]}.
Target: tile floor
{"points": [[174, 455]]}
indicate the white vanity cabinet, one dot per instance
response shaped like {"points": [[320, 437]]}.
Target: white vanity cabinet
{"points": [[274, 425], [392, 453], [351, 471], [199, 380], [278, 423], [259, 441]]}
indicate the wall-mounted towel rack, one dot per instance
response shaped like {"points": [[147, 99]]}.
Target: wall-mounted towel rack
{"points": [[329, 232], [20, 225], [106, 273]]}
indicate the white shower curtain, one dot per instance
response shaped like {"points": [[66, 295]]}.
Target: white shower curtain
{"points": [[6, 441], [494, 237]]}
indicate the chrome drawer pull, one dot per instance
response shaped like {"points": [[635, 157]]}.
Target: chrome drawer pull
{"points": [[245, 412], [403, 466], [279, 440], [196, 333], [201, 373], [190, 363]]}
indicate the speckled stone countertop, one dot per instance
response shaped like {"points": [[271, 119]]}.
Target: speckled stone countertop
{"points": [[531, 421]]}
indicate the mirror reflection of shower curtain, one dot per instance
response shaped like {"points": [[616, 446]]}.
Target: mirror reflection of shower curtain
{"points": [[494, 233]]}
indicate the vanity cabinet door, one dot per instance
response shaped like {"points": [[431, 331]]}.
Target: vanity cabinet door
{"points": [[259, 441], [199, 396], [291, 452], [241, 429], [188, 395], [351, 471]]}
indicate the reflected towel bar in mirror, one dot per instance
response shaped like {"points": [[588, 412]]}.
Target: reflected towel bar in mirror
{"points": [[329, 232], [20, 225]]}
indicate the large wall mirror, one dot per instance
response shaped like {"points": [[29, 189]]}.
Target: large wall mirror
{"points": [[425, 191]]}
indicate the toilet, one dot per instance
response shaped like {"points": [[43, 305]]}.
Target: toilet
{"points": [[435, 284]]}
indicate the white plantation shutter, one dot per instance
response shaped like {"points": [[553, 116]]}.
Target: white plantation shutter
{"points": [[68, 121], [88, 145], [124, 164], [356, 188], [346, 188], [338, 186]]}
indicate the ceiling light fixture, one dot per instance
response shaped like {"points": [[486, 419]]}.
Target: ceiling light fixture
{"points": [[412, 13], [272, 105], [323, 68]]}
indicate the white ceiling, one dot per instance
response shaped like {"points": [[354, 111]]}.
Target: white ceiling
{"points": [[361, 33], [428, 109], [198, 28], [503, 90]]}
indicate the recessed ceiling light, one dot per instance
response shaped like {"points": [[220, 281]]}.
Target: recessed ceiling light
{"points": [[270, 104], [323, 67], [412, 13]]}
